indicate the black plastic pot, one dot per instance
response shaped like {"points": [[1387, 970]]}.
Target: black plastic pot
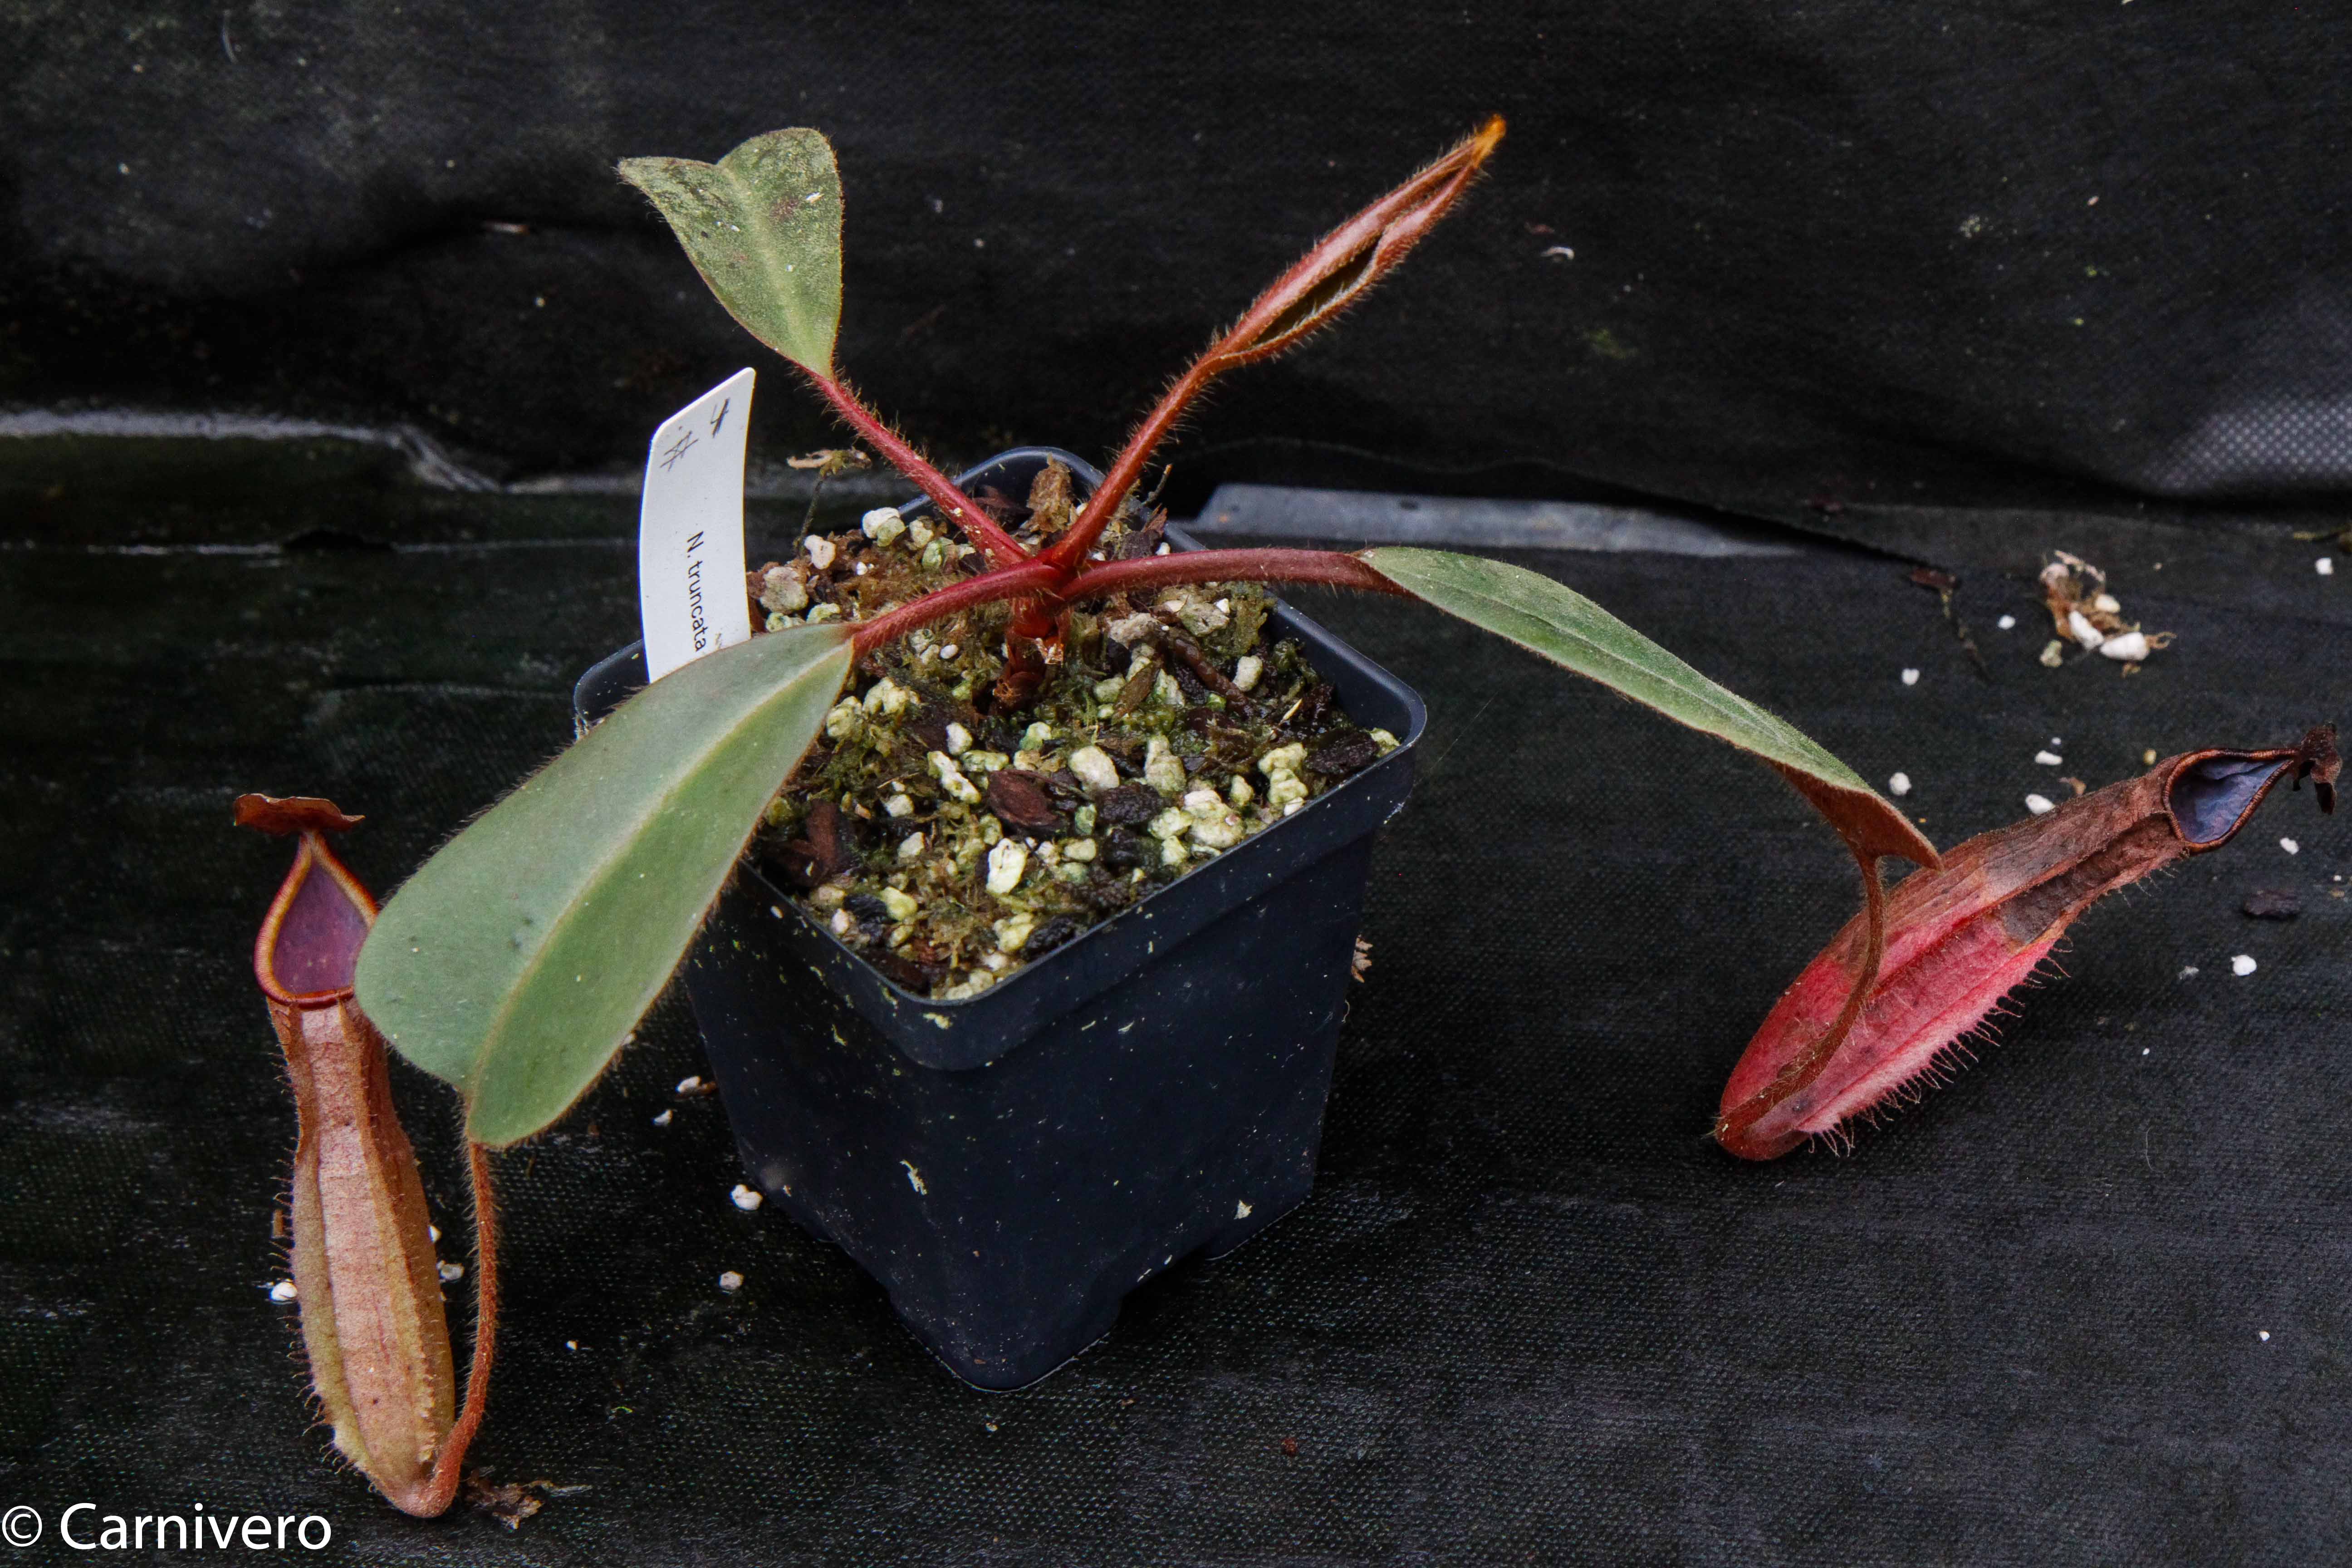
{"points": [[1010, 1167]]}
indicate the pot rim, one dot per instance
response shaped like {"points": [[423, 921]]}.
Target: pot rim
{"points": [[1392, 771]]}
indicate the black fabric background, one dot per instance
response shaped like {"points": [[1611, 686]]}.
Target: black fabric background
{"points": [[1529, 1313], [1996, 249]]}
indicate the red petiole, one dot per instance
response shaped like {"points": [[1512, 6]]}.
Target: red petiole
{"points": [[1028, 580], [1038, 580], [1328, 566], [1340, 270], [954, 505]]}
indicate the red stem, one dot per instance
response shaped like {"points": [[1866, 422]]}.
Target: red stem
{"points": [[1328, 567], [1028, 578], [1038, 579], [954, 505], [450, 1461], [1080, 537]]}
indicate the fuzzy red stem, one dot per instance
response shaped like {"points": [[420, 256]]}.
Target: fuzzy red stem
{"points": [[448, 1464], [1038, 579], [954, 506], [1328, 566], [1080, 537], [1028, 579]]}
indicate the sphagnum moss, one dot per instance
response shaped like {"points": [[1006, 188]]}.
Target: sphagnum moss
{"points": [[949, 847]]}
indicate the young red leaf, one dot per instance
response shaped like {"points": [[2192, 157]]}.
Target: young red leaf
{"points": [[1339, 271]]}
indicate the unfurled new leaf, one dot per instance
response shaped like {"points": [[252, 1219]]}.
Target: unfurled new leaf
{"points": [[517, 959], [763, 228]]}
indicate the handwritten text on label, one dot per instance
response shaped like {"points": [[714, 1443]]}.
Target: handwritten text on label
{"points": [[690, 530]]}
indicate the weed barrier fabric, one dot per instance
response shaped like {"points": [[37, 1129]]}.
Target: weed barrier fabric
{"points": [[1737, 253], [1529, 1315]]}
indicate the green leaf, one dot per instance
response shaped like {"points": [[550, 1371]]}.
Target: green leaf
{"points": [[763, 228], [517, 959], [1563, 626]]}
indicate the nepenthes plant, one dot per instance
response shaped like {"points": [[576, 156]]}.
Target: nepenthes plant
{"points": [[519, 959]]}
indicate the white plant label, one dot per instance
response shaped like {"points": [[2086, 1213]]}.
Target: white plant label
{"points": [[690, 530]]}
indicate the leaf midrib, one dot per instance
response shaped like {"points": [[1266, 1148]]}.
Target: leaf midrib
{"points": [[762, 240], [1842, 775]]}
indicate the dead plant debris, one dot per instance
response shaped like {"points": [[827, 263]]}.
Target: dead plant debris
{"points": [[2083, 612], [1942, 584], [831, 460], [511, 1502]]}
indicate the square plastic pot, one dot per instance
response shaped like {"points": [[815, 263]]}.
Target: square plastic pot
{"points": [[1011, 1165]]}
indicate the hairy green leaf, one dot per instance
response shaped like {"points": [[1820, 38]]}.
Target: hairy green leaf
{"points": [[1563, 626], [517, 959], [763, 228]]}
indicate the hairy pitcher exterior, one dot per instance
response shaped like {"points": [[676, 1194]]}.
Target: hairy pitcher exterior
{"points": [[364, 1268], [1961, 937]]}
